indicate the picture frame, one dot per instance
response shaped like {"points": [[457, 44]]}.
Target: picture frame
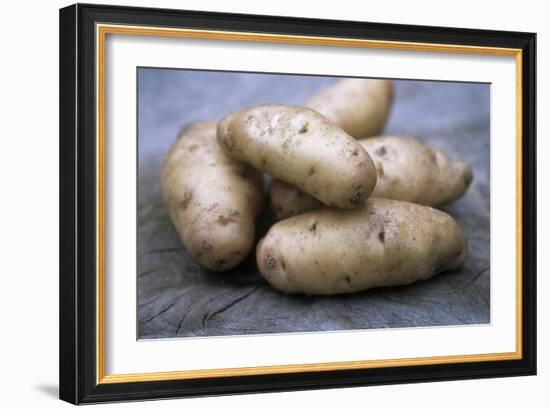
{"points": [[83, 284]]}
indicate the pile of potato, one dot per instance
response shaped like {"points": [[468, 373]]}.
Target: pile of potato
{"points": [[352, 213]]}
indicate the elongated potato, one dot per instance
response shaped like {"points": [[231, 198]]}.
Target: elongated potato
{"points": [[383, 243], [303, 148], [407, 170], [287, 200], [358, 106], [213, 200], [412, 171]]}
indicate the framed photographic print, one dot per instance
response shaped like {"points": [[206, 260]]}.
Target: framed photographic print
{"points": [[257, 203]]}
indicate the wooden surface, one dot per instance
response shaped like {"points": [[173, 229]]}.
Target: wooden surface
{"points": [[178, 298]]}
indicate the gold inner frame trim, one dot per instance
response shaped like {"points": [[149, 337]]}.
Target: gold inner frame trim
{"points": [[101, 32]]}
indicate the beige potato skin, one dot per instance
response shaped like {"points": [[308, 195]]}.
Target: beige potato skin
{"points": [[301, 147], [407, 170], [287, 200], [213, 200], [358, 106], [384, 243]]}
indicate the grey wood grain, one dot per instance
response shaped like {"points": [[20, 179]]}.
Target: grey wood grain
{"points": [[176, 297]]}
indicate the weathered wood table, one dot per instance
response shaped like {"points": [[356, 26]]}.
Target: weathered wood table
{"points": [[177, 298]]}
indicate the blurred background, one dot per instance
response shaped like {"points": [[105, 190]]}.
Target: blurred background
{"points": [[176, 297]]}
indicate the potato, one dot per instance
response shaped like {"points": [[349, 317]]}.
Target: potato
{"points": [[213, 200], [383, 243], [412, 171], [358, 106], [287, 200], [301, 147], [407, 170]]}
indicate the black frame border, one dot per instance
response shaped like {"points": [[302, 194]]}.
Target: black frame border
{"points": [[77, 149]]}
